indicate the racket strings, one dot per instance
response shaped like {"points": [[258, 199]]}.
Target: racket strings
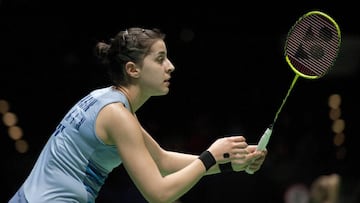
{"points": [[312, 46]]}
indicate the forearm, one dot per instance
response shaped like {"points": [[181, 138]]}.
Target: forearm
{"points": [[157, 187], [180, 182], [167, 161], [175, 161]]}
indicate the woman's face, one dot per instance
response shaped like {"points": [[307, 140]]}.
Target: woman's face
{"points": [[156, 70]]}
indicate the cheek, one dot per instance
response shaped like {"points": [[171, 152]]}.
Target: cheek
{"points": [[149, 78], [153, 73]]}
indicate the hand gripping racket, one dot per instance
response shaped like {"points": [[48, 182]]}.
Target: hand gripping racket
{"points": [[311, 48]]}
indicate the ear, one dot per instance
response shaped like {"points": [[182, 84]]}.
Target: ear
{"points": [[132, 69]]}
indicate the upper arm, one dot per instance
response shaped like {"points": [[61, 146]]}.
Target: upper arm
{"points": [[156, 151], [116, 125]]}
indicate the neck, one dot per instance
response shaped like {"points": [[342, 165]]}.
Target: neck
{"points": [[125, 92], [133, 96]]}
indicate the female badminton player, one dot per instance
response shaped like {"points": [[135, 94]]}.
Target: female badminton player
{"points": [[101, 131]]}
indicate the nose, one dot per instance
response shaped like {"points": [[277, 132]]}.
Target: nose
{"points": [[170, 67]]}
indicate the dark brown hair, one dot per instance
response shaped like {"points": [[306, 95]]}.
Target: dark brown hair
{"points": [[132, 44]]}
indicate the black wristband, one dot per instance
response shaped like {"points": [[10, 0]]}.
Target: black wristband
{"points": [[208, 159], [226, 167]]}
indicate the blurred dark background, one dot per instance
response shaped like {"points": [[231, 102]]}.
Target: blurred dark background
{"points": [[231, 77]]}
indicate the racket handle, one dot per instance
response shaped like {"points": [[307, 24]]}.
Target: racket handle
{"points": [[264, 140]]}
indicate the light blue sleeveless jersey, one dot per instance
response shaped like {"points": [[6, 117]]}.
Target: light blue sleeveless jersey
{"points": [[75, 162]]}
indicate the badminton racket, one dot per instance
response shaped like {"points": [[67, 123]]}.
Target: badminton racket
{"points": [[311, 48]]}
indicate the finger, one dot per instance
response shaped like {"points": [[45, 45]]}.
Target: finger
{"points": [[241, 151], [238, 156], [252, 148], [237, 138], [235, 154], [252, 157], [240, 145], [251, 169]]}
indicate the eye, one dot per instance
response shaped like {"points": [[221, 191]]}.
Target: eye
{"points": [[161, 59]]}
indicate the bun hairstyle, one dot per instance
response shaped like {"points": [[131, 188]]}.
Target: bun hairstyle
{"points": [[132, 44]]}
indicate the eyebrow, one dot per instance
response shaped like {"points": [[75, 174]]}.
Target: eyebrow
{"points": [[158, 53], [162, 52]]}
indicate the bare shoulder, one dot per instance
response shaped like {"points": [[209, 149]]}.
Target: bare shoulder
{"points": [[114, 120]]}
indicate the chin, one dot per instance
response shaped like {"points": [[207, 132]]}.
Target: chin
{"points": [[163, 92]]}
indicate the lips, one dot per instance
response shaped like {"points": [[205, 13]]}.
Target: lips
{"points": [[167, 80]]}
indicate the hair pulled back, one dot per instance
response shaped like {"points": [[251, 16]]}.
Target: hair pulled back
{"points": [[132, 44]]}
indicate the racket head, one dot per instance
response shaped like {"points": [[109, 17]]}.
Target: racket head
{"points": [[312, 45]]}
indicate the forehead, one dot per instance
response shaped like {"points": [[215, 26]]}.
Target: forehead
{"points": [[158, 47]]}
